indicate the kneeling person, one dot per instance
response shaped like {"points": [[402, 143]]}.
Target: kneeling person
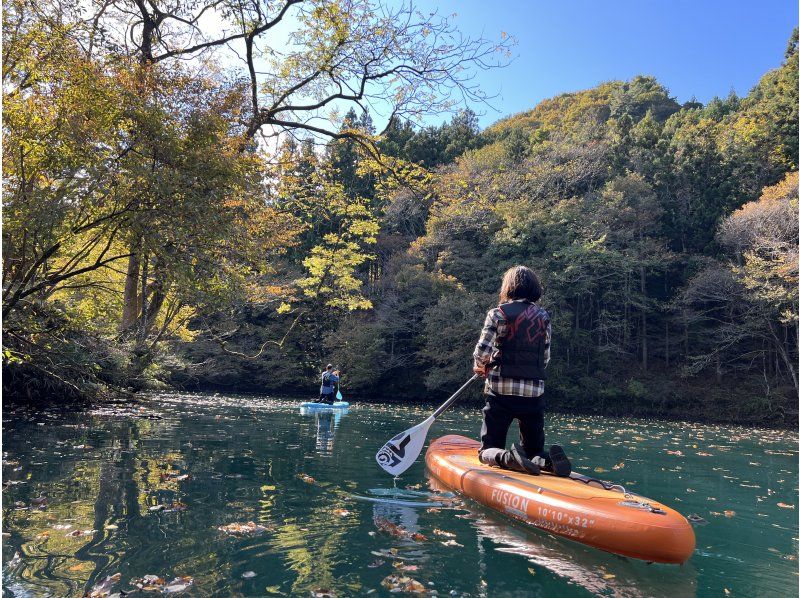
{"points": [[512, 354], [327, 389]]}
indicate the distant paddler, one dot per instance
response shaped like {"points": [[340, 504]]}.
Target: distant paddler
{"points": [[329, 385]]}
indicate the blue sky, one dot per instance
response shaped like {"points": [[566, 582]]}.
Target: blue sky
{"points": [[703, 48]]}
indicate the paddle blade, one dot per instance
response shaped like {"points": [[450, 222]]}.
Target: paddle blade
{"points": [[339, 395], [402, 451]]}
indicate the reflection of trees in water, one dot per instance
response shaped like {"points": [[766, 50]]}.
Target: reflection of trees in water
{"points": [[314, 547], [86, 494]]}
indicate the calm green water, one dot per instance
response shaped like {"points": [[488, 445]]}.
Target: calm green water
{"points": [[123, 475]]}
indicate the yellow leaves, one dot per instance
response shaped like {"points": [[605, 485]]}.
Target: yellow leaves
{"points": [[284, 308]]}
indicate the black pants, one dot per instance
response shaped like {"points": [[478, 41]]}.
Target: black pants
{"points": [[328, 399], [498, 414]]}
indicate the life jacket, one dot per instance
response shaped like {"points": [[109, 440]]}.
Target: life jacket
{"points": [[326, 380], [520, 348]]}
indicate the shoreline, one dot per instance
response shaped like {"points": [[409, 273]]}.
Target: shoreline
{"points": [[11, 407]]}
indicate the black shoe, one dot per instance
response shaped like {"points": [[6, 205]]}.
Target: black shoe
{"points": [[559, 462], [519, 462]]}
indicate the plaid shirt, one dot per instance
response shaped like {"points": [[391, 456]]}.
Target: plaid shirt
{"points": [[495, 324]]}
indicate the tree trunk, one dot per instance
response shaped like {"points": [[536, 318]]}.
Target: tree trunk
{"points": [[130, 302], [644, 318]]}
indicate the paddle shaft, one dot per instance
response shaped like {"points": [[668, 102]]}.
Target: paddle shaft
{"points": [[454, 398]]}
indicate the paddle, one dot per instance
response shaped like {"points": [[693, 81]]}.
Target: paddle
{"points": [[402, 451], [339, 395]]}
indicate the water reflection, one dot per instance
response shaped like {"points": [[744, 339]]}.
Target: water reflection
{"points": [[326, 422], [145, 492]]}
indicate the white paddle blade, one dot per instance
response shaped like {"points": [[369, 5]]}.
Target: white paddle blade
{"points": [[402, 451]]}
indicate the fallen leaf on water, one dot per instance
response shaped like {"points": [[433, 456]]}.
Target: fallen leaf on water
{"points": [[677, 453], [179, 584], [248, 574], [433, 510], [704, 454], [376, 563], [237, 529], [715, 513], [111, 526], [403, 567], [727, 591], [149, 583], [80, 532], [452, 543], [619, 465], [341, 512], [306, 478], [696, 519], [103, 589], [273, 590], [414, 487], [441, 532], [531, 570], [608, 576], [402, 583], [600, 470], [783, 505], [730, 513], [397, 531]]}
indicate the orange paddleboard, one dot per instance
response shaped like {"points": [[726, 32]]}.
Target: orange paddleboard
{"points": [[578, 507]]}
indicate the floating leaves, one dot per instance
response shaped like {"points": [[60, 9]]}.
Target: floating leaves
{"points": [[783, 505], [341, 512], [695, 519], [79, 533], [154, 583], [619, 465], [306, 478], [402, 583], [248, 574], [403, 567], [103, 589], [440, 532], [398, 531], [376, 563], [452, 543], [242, 529], [729, 514]]}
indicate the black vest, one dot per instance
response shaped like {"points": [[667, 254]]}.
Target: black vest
{"points": [[326, 380], [520, 349]]}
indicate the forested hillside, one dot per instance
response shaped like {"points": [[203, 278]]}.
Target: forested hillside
{"points": [[665, 236]]}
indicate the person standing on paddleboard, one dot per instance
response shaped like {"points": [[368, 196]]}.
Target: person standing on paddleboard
{"points": [[327, 390], [512, 354]]}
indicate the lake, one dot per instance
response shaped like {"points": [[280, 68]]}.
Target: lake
{"points": [[245, 496]]}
